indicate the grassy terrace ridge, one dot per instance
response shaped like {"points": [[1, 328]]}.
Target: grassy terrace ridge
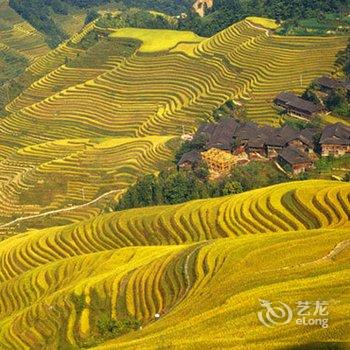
{"points": [[287, 241], [155, 40], [267, 23]]}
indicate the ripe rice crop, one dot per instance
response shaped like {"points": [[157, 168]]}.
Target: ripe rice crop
{"points": [[200, 265]]}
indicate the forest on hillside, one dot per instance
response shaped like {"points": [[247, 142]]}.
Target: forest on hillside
{"points": [[223, 13], [39, 13]]}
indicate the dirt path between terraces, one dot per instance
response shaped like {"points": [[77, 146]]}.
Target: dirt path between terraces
{"points": [[259, 28], [339, 248], [24, 218]]}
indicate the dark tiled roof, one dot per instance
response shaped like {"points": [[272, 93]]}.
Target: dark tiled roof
{"points": [[293, 155], [192, 157], [286, 96], [246, 131], [288, 133], [258, 142], [279, 137], [307, 136], [328, 82], [222, 135], [297, 103], [305, 106], [332, 83], [260, 137], [206, 129], [336, 134]]}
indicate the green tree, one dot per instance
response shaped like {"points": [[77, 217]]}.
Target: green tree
{"points": [[336, 98], [201, 171], [145, 192], [178, 188], [91, 16], [339, 102], [232, 187], [197, 143], [310, 95], [257, 175]]}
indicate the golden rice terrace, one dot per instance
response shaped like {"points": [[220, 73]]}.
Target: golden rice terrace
{"points": [[89, 121]]}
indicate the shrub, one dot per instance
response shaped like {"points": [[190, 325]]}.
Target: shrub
{"points": [[110, 328]]}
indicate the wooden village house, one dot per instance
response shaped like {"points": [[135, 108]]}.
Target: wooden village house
{"points": [[296, 106], [328, 84], [335, 140], [296, 159], [230, 142], [190, 160]]}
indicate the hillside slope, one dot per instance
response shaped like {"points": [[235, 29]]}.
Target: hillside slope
{"points": [[19, 35], [136, 83], [60, 174], [177, 88], [107, 106], [202, 265]]}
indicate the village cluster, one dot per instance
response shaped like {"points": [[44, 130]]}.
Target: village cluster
{"points": [[231, 142]]}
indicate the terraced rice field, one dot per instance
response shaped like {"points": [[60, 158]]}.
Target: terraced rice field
{"points": [[85, 65], [59, 174], [117, 90], [159, 92], [95, 119], [73, 23], [155, 40], [203, 266], [20, 36], [264, 22]]}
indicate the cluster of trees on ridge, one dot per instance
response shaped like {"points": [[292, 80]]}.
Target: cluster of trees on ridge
{"points": [[136, 18], [11, 65], [173, 187], [339, 100], [39, 13], [343, 60], [103, 326], [225, 12]]}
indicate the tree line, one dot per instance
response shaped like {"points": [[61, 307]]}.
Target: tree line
{"points": [[223, 13], [39, 14], [177, 186], [136, 18]]}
